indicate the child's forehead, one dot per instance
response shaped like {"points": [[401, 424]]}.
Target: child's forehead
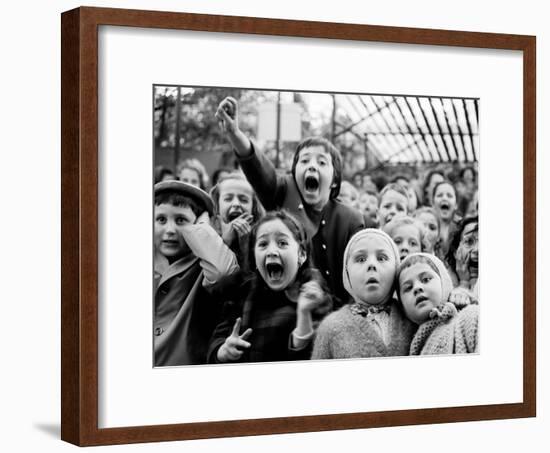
{"points": [[469, 229], [313, 150], [393, 195], [273, 227], [235, 185], [406, 228], [173, 209], [415, 270], [370, 243], [444, 187], [426, 216]]}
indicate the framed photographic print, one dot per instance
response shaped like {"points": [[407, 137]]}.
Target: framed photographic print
{"points": [[245, 198]]}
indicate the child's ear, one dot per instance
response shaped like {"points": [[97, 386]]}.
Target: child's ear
{"points": [[301, 257]]}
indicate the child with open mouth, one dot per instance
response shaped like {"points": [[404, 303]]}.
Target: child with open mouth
{"points": [[374, 324], [272, 316], [463, 255], [236, 209], [424, 290], [444, 204], [309, 193]]}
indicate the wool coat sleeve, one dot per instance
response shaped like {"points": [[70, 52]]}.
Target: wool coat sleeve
{"points": [[216, 258], [262, 176]]}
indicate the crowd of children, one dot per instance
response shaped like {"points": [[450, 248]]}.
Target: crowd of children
{"points": [[268, 266]]}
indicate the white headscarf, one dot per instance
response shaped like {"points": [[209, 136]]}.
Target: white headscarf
{"points": [[358, 236]]}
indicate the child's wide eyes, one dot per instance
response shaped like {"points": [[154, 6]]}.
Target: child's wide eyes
{"points": [[360, 259], [426, 279], [282, 243], [382, 257], [161, 219], [261, 244], [181, 220]]}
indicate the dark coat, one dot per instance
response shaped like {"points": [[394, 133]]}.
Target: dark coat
{"points": [[272, 317], [329, 231]]}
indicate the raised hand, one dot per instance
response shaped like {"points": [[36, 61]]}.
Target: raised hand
{"points": [[227, 115], [242, 225], [460, 297], [233, 347], [311, 296], [462, 262]]}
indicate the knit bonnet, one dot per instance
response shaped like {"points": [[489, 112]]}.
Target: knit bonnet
{"points": [[446, 282], [357, 237]]}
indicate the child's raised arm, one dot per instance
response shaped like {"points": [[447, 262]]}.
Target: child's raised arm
{"points": [[259, 170], [228, 117]]}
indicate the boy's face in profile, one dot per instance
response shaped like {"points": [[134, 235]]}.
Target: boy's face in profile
{"points": [[170, 222], [314, 175], [420, 291]]}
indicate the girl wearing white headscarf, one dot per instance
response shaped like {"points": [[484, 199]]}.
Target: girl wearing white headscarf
{"points": [[373, 325], [424, 289]]}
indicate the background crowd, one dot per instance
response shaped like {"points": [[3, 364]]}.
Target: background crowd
{"points": [[273, 257]]}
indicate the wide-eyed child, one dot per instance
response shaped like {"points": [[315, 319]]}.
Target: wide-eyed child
{"points": [[309, 192], [407, 233], [424, 289], [393, 201], [190, 261], [273, 315], [374, 324]]}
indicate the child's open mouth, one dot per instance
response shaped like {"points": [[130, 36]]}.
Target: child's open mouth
{"points": [[421, 299], [234, 214], [372, 281], [274, 271], [311, 183], [473, 267], [445, 206]]}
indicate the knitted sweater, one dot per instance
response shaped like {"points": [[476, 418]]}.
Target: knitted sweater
{"points": [[344, 334], [455, 335]]}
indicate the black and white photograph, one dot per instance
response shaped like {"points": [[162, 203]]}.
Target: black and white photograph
{"points": [[296, 225]]}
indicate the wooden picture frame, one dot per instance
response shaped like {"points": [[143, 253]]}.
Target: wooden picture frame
{"points": [[79, 133]]}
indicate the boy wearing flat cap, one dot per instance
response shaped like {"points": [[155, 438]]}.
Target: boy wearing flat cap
{"points": [[190, 261]]}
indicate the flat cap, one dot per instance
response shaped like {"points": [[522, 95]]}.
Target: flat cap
{"points": [[195, 193]]}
